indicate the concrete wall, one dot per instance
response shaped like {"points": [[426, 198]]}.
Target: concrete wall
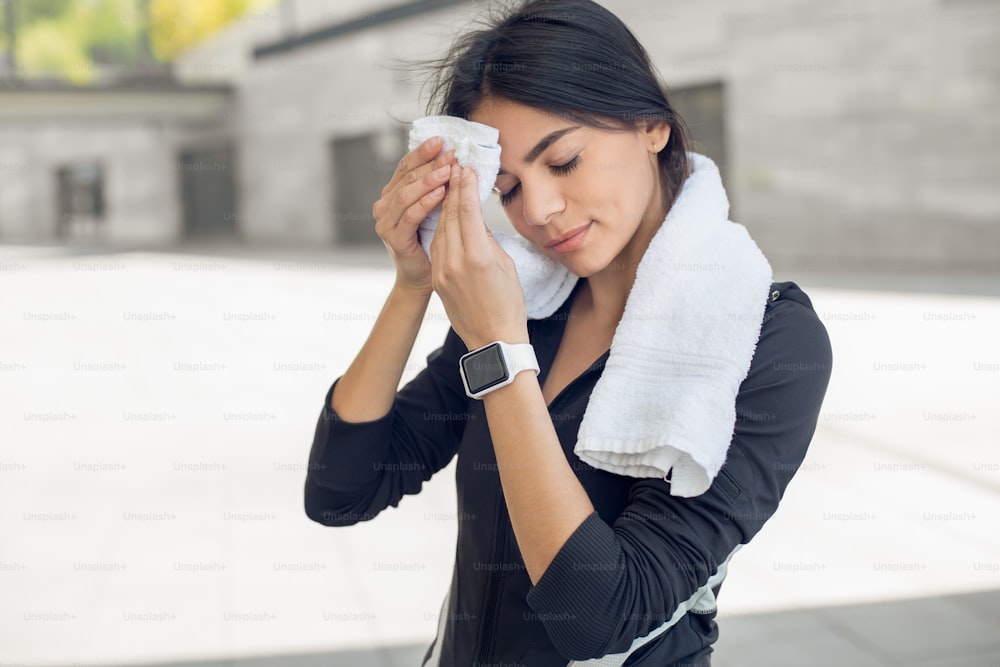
{"points": [[228, 58], [136, 167], [857, 134], [860, 134], [294, 105], [136, 137]]}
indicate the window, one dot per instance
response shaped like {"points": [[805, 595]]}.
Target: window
{"points": [[703, 108], [81, 200], [208, 193], [362, 166]]}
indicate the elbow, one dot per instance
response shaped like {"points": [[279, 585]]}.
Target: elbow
{"points": [[583, 597], [577, 639], [590, 638], [585, 629], [324, 516], [321, 508]]}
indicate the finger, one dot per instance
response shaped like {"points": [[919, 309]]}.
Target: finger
{"points": [[419, 210], [416, 164], [436, 248], [439, 242], [419, 156], [450, 223], [391, 210], [417, 175], [471, 223]]}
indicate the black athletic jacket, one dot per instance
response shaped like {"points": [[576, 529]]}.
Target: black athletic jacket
{"points": [[643, 560]]}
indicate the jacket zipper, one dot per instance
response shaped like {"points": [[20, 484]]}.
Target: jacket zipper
{"points": [[590, 369], [492, 594]]}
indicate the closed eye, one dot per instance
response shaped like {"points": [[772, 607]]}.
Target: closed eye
{"points": [[559, 170], [563, 169]]}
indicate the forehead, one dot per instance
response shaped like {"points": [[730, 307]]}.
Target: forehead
{"points": [[518, 123]]}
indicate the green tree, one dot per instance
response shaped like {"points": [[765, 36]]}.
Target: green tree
{"points": [[51, 49], [29, 11], [65, 39], [71, 39], [112, 30], [176, 25]]}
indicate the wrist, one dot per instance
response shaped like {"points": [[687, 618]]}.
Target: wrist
{"points": [[411, 291], [513, 338], [522, 379]]}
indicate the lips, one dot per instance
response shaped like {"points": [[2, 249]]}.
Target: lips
{"points": [[562, 237], [571, 241]]}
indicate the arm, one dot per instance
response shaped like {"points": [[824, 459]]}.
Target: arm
{"points": [[358, 469], [370, 445], [605, 586], [609, 584], [545, 499], [366, 391]]}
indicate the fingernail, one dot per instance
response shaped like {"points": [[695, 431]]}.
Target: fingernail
{"points": [[456, 171], [441, 173]]}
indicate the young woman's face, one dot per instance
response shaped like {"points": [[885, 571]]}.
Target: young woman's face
{"points": [[557, 176]]}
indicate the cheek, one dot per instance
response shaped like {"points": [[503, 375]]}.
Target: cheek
{"points": [[513, 213], [615, 176], [634, 182]]}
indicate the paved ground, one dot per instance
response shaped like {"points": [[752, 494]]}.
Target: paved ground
{"points": [[158, 408]]}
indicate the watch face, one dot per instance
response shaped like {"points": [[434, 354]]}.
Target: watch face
{"points": [[484, 369]]}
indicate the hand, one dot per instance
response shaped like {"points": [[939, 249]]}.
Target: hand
{"points": [[475, 279], [417, 186]]}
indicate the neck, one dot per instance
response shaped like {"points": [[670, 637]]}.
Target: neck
{"points": [[603, 295], [607, 291]]}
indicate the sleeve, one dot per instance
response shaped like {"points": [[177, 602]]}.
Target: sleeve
{"points": [[610, 584], [357, 469]]}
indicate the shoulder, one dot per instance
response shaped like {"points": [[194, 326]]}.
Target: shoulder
{"points": [[792, 339], [789, 313], [787, 297]]}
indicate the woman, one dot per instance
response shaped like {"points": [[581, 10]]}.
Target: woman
{"points": [[556, 561]]}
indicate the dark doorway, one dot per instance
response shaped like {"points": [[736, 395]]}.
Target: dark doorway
{"points": [[362, 165], [703, 108], [80, 189], [208, 194]]}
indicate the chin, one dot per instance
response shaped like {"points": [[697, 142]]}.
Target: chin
{"points": [[578, 266]]}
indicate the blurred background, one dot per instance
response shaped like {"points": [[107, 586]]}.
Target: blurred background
{"points": [[188, 261]]}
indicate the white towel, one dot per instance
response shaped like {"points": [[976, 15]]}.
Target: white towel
{"points": [[666, 401], [667, 397], [545, 282]]}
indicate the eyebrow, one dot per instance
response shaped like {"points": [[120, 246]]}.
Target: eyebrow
{"points": [[543, 144]]}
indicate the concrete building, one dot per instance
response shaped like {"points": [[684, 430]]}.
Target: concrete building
{"points": [[850, 134], [122, 164]]}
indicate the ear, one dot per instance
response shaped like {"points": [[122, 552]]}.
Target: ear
{"points": [[656, 135]]}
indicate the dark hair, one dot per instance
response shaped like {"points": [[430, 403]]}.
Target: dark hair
{"points": [[571, 58]]}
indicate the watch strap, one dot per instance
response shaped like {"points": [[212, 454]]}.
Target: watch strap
{"points": [[520, 357]]}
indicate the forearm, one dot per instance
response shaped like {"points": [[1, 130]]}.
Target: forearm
{"points": [[368, 387], [544, 497]]}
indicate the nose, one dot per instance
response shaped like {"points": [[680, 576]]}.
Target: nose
{"points": [[541, 199]]}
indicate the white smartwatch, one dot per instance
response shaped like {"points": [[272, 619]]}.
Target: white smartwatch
{"points": [[495, 365]]}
